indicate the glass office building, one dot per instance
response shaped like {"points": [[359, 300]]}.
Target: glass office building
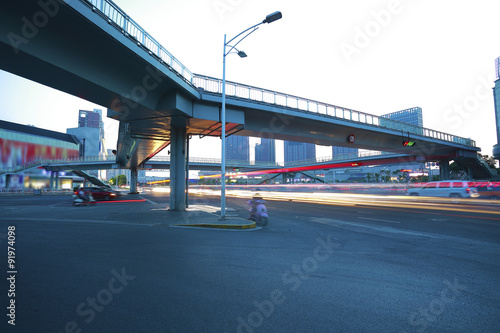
{"points": [[265, 151], [496, 99], [411, 116], [238, 148], [344, 152], [299, 151]]}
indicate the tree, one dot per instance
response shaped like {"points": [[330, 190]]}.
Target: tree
{"points": [[386, 176], [490, 160], [369, 177], [400, 176], [121, 180], [118, 180]]}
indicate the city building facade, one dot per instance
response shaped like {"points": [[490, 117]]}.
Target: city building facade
{"points": [[496, 99], [238, 148], [90, 132], [344, 152], [299, 151], [265, 151], [412, 116], [23, 145]]}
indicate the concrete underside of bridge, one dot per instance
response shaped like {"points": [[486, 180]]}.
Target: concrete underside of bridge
{"points": [[72, 47]]}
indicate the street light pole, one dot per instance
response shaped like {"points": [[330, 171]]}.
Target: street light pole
{"points": [[223, 137], [269, 18]]}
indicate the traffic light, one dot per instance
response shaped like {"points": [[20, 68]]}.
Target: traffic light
{"points": [[409, 143]]}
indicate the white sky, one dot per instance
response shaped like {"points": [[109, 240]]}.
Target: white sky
{"points": [[438, 55]]}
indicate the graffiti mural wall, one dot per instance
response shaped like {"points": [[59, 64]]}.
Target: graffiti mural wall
{"points": [[17, 153]]}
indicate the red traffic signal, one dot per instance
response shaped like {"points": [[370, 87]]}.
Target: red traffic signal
{"points": [[409, 143]]}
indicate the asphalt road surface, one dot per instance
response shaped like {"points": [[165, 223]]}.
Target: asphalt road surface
{"points": [[359, 266]]}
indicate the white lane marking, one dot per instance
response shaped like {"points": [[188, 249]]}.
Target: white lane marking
{"points": [[346, 225], [59, 204], [150, 201], [215, 229], [380, 220], [32, 219]]}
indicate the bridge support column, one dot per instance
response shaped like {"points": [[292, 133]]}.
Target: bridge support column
{"points": [[444, 169], [54, 180], [178, 158], [133, 181]]}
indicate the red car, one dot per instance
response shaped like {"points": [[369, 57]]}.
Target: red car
{"points": [[489, 191], [99, 193]]}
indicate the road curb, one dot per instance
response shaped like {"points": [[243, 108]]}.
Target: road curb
{"points": [[250, 225]]}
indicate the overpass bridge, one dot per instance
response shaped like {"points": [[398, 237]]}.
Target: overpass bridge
{"points": [[81, 165], [159, 102]]}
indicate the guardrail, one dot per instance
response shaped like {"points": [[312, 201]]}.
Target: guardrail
{"points": [[200, 160], [214, 85], [114, 15], [41, 162], [317, 160]]}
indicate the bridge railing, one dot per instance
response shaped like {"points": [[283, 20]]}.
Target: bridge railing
{"points": [[243, 163], [114, 15], [40, 162], [230, 162], [214, 85]]}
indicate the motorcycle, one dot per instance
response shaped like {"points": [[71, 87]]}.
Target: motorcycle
{"points": [[258, 211], [78, 201]]}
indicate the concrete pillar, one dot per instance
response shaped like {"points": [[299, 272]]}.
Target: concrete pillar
{"points": [[57, 185], [52, 180], [178, 139], [444, 169], [133, 181]]}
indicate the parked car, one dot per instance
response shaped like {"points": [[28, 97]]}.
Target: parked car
{"points": [[99, 193], [448, 188], [488, 191]]}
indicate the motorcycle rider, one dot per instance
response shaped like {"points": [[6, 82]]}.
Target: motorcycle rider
{"points": [[84, 195], [253, 203]]}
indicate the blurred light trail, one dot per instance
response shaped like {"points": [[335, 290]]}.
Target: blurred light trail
{"points": [[407, 203]]}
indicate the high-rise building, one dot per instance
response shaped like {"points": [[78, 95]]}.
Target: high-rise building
{"points": [[299, 151], [496, 99], [344, 152], [89, 119], [238, 148], [90, 132], [265, 151], [497, 68], [412, 116]]}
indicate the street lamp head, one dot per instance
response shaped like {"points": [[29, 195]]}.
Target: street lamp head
{"points": [[272, 17], [242, 54]]}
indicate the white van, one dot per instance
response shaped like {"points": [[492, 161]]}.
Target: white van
{"points": [[446, 188]]}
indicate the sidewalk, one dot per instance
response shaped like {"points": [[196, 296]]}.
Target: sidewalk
{"points": [[202, 216]]}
